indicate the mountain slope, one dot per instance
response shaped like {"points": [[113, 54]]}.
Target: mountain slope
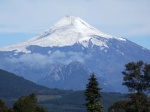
{"points": [[12, 86], [69, 76], [72, 39], [61, 77]]}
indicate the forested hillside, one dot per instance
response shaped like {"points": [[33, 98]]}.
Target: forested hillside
{"points": [[12, 86]]}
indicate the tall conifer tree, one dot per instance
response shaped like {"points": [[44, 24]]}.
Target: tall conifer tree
{"points": [[93, 95]]}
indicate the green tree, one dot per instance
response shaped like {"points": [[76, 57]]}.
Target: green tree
{"points": [[136, 103], [28, 104], [93, 95], [146, 72], [137, 77], [3, 107], [119, 106]]}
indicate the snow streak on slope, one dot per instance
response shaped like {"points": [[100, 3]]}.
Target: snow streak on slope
{"points": [[66, 32]]}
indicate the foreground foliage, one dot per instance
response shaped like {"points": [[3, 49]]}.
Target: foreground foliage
{"points": [[23, 104], [3, 107], [136, 103], [137, 79], [28, 104]]}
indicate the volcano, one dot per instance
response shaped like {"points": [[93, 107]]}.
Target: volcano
{"points": [[45, 58]]}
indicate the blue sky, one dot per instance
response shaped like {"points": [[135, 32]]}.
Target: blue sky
{"points": [[23, 19]]}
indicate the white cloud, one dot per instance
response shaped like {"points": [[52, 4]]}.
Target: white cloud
{"points": [[56, 57]]}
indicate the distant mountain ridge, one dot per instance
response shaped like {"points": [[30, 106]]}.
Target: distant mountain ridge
{"points": [[69, 40], [12, 86], [68, 76]]}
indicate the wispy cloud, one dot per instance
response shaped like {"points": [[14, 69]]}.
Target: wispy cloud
{"points": [[37, 59], [37, 15]]}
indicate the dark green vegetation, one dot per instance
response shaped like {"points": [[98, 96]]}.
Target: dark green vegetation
{"points": [[23, 104], [3, 107], [74, 102], [137, 79], [28, 104], [12, 86], [93, 96]]}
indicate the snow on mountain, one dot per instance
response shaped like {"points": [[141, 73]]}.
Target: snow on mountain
{"points": [[67, 76], [69, 40], [66, 32]]}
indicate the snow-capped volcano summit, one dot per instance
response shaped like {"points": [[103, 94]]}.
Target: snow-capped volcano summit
{"points": [[78, 26], [66, 32]]}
